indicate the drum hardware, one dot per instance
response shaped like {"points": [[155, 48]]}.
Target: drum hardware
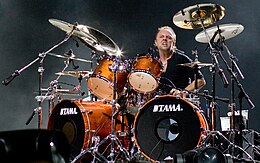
{"points": [[227, 31], [100, 82], [40, 58], [91, 37], [144, 74], [76, 74], [167, 131], [196, 63], [242, 93], [195, 17], [72, 57], [199, 16], [114, 140]]}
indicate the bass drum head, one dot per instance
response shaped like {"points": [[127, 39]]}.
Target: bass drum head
{"points": [[166, 126], [66, 117]]}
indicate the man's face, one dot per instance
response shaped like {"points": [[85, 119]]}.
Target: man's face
{"points": [[165, 40]]}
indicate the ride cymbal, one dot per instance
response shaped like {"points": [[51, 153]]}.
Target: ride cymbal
{"points": [[227, 31], [93, 38], [73, 57], [192, 16], [76, 74], [196, 63]]}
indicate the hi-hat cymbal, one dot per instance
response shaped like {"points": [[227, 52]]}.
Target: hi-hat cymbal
{"points": [[196, 63], [71, 56], [227, 31], [93, 38], [191, 17], [77, 74]]}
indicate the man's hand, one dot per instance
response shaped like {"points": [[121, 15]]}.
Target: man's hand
{"points": [[176, 92]]}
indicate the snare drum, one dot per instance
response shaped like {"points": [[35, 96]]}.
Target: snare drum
{"points": [[101, 82], [81, 120], [144, 73], [166, 126]]}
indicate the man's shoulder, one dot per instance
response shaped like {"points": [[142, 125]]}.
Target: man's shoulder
{"points": [[182, 57]]}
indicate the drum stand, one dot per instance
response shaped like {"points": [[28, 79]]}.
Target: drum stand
{"points": [[214, 135], [39, 98], [114, 141]]}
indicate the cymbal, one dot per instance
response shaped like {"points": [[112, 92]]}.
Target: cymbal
{"points": [[189, 18], [76, 74], [196, 63], [226, 30], [63, 91], [71, 56], [93, 38]]}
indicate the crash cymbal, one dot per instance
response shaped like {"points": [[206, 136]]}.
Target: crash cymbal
{"points": [[196, 63], [93, 38], [69, 56], [189, 18], [76, 74], [226, 30]]}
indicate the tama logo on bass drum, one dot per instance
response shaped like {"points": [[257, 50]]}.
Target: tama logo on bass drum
{"points": [[167, 108], [68, 111]]}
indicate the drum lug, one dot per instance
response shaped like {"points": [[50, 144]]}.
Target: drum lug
{"points": [[151, 58], [90, 131]]}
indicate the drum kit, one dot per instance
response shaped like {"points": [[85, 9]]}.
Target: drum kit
{"points": [[158, 126]]}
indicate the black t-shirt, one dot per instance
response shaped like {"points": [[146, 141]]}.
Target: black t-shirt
{"points": [[180, 76]]}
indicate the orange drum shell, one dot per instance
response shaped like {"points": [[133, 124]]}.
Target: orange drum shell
{"points": [[147, 63], [97, 120], [102, 70]]}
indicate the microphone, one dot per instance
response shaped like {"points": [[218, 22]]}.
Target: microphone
{"points": [[223, 77], [10, 78]]}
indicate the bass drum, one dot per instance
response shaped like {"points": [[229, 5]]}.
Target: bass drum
{"points": [[166, 126], [81, 120]]}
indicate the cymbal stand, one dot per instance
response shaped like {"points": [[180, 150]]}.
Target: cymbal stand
{"points": [[111, 158], [39, 98], [53, 86], [242, 92], [215, 67], [93, 55], [215, 62]]}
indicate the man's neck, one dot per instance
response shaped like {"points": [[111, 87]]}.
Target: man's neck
{"points": [[164, 56]]}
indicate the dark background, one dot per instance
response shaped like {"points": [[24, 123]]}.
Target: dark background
{"points": [[26, 32]]}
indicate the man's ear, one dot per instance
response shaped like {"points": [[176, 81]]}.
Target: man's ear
{"points": [[155, 43]]}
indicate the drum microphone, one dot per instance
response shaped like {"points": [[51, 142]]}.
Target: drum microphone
{"points": [[223, 77], [10, 78]]}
